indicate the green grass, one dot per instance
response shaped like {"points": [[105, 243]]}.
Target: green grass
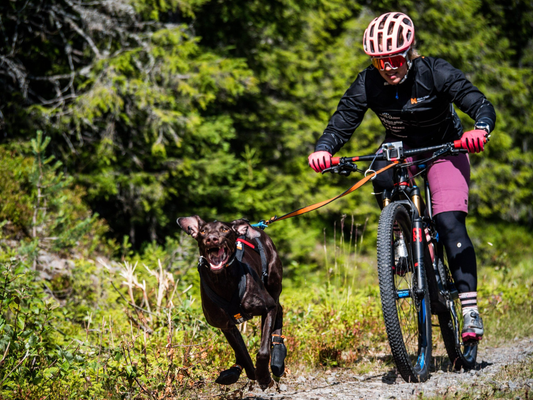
{"points": [[506, 301]]}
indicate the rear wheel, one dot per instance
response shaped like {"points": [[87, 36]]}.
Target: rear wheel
{"points": [[406, 311], [462, 355]]}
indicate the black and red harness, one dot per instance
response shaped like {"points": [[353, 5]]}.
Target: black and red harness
{"points": [[233, 307]]}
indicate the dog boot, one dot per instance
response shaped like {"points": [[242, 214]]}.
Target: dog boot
{"points": [[277, 357], [229, 376]]}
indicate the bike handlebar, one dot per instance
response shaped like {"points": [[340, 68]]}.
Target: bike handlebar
{"points": [[394, 151]]}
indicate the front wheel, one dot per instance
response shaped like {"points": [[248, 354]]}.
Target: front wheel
{"points": [[462, 355], [406, 310]]}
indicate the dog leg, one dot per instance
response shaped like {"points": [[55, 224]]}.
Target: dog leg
{"points": [[229, 376], [263, 355], [279, 351]]}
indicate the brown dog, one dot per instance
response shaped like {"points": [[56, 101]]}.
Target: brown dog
{"points": [[240, 274]]}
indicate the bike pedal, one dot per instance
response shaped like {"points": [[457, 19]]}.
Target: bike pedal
{"points": [[470, 338]]}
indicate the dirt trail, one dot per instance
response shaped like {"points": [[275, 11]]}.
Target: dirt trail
{"points": [[338, 384]]}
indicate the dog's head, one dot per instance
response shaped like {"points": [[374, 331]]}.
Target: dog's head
{"points": [[216, 240]]}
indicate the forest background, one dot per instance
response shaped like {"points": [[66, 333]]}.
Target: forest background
{"points": [[118, 116]]}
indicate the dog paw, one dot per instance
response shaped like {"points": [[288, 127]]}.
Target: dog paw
{"points": [[277, 359], [229, 376], [266, 385]]}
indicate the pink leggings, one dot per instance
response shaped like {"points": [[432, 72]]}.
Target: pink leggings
{"points": [[449, 179]]}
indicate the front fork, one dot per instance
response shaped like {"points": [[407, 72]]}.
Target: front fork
{"points": [[418, 229], [418, 252]]}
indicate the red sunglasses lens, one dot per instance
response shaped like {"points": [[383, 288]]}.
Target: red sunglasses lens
{"points": [[394, 62]]}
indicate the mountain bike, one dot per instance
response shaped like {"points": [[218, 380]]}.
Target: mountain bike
{"points": [[414, 280]]}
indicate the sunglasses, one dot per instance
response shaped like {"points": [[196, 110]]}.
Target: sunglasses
{"points": [[395, 61]]}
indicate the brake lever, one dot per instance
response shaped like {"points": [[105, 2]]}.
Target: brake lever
{"points": [[453, 152], [344, 169], [449, 149]]}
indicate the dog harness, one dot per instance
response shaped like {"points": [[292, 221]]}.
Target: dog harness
{"points": [[233, 307]]}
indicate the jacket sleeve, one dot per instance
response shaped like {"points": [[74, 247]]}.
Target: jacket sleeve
{"points": [[464, 94], [346, 119]]}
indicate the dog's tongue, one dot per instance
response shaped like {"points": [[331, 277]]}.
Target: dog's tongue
{"points": [[218, 257], [217, 260]]}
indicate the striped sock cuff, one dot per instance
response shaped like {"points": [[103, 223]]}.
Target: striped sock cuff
{"points": [[468, 302]]}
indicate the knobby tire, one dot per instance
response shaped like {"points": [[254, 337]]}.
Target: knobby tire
{"points": [[407, 316]]}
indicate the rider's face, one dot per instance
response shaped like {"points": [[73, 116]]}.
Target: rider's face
{"points": [[394, 76]]}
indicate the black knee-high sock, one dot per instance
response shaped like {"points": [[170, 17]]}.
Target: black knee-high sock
{"points": [[459, 249]]}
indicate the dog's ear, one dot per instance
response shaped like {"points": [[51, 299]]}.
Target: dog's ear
{"points": [[243, 228], [191, 225]]}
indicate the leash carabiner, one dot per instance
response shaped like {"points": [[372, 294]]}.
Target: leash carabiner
{"points": [[261, 225]]}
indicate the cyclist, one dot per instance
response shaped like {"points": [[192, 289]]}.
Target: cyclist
{"points": [[413, 96]]}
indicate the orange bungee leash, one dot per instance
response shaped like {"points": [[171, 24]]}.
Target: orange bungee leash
{"points": [[264, 224]]}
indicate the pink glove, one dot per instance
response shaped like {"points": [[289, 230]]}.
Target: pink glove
{"points": [[320, 160], [474, 141]]}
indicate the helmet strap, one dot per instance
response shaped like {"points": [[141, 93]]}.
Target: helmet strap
{"points": [[409, 63]]}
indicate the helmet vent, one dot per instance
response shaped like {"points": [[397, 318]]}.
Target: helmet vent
{"points": [[382, 22], [400, 36]]}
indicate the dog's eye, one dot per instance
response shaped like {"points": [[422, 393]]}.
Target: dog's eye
{"points": [[225, 230], [202, 232]]}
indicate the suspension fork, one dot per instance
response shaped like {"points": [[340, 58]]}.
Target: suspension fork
{"points": [[418, 253], [418, 239]]}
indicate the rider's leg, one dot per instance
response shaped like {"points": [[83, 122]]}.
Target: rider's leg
{"points": [[459, 249], [462, 259], [449, 180]]}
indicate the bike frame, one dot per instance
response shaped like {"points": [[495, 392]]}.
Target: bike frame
{"points": [[407, 193]]}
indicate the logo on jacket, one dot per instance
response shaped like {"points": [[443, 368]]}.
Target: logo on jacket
{"points": [[392, 123], [418, 99]]}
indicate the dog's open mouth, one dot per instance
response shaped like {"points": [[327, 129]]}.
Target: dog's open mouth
{"points": [[217, 257]]}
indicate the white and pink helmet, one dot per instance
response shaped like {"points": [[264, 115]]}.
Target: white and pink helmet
{"points": [[389, 33]]}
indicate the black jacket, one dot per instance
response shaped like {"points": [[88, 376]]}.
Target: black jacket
{"points": [[419, 111]]}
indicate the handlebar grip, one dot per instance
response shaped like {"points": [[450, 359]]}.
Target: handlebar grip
{"points": [[335, 160], [457, 144]]}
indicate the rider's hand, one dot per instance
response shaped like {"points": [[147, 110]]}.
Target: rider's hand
{"points": [[474, 141], [320, 160]]}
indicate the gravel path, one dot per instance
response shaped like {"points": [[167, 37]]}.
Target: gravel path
{"points": [[339, 384]]}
